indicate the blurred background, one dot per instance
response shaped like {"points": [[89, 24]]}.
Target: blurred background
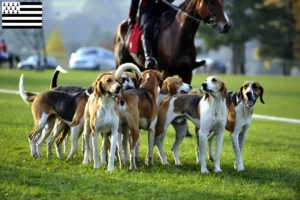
{"points": [[265, 38]]}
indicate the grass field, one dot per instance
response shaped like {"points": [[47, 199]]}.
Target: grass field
{"points": [[271, 153]]}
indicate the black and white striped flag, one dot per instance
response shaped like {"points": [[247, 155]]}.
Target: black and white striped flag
{"points": [[22, 15]]}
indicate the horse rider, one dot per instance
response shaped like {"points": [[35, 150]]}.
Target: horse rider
{"points": [[3, 49], [150, 11]]}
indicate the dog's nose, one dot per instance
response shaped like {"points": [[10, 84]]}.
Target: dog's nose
{"points": [[204, 85], [118, 88], [249, 95]]}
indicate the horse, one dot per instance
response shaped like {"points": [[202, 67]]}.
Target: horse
{"points": [[10, 59], [174, 47]]}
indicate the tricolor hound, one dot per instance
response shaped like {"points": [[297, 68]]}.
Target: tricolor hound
{"points": [[207, 112], [239, 117], [102, 114]]}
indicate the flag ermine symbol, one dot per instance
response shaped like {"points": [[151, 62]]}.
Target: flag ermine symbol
{"points": [[22, 15]]}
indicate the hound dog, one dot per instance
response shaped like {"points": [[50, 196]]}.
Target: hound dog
{"points": [[138, 110], [102, 114], [63, 105], [207, 112], [57, 126], [171, 86], [69, 108], [127, 80], [240, 106]]}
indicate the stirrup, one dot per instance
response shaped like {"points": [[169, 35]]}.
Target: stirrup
{"points": [[150, 63]]}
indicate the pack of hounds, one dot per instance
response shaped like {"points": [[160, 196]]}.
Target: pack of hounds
{"points": [[121, 102]]}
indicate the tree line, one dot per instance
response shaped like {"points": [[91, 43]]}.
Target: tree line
{"points": [[275, 24]]}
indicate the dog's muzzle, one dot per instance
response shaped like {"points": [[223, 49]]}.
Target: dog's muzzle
{"points": [[250, 100]]}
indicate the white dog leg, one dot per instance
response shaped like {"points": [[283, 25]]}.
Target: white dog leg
{"points": [[202, 134], [210, 147], [113, 145], [180, 129], [75, 132], [95, 150], [46, 132], [220, 134], [86, 135]]}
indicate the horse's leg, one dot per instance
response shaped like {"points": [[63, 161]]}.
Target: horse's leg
{"points": [[165, 74], [186, 76]]}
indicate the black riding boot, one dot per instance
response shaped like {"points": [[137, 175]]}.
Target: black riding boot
{"points": [[150, 62]]}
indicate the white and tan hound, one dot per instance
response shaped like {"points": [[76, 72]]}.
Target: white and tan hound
{"points": [[207, 112], [240, 106], [102, 114]]}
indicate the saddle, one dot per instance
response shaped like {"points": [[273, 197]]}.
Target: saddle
{"points": [[135, 43]]}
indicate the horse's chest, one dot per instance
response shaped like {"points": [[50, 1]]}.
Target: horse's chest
{"points": [[184, 60]]}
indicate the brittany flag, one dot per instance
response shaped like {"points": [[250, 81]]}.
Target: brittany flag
{"points": [[22, 15]]}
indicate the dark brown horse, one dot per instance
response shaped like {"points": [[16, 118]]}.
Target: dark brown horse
{"points": [[175, 49]]}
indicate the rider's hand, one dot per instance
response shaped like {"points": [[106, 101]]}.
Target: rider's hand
{"points": [[131, 21]]}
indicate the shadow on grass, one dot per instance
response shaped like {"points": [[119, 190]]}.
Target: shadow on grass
{"points": [[256, 175], [90, 184]]}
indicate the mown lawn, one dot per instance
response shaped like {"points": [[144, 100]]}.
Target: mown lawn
{"points": [[271, 153]]}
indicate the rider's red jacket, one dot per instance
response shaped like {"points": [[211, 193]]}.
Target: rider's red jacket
{"points": [[135, 5], [3, 48]]}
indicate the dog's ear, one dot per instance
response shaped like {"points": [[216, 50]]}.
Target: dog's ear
{"points": [[172, 89], [223, 90], [164, 88], [98, 89], [159, 77], [261, 92], [240, 94], [137, 81], [206, 95]]}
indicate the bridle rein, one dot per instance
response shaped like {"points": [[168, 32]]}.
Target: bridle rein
{"points": [[212, 20]]}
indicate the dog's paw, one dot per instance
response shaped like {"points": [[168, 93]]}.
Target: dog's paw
{"points": [[211, 158], [96, 166], [204, 171], [110, 169], [218, 170], [85, 162], [240, 168], [149, 161], [178, 164], [165, 162]]}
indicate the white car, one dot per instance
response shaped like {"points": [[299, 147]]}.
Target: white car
{"points": [[95, 58], [32, 62]]}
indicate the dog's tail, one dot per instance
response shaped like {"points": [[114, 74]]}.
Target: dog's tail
{"points": [[53, 83], [127, 66], [26, 96]]}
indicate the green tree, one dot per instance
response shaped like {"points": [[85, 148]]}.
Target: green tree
{"points": [[284, 24], [242, 16]]}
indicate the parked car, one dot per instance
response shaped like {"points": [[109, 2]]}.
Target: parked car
{"points": [[212, 66], [95, 58], [32, 62]]}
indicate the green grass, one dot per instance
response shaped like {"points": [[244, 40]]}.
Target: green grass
{"points": [[271, 153]]}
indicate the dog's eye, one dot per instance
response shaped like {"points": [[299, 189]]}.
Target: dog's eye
{"points": [[214, 80], [123, 79], [108, 80], [245, 86], [254, 86]]}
